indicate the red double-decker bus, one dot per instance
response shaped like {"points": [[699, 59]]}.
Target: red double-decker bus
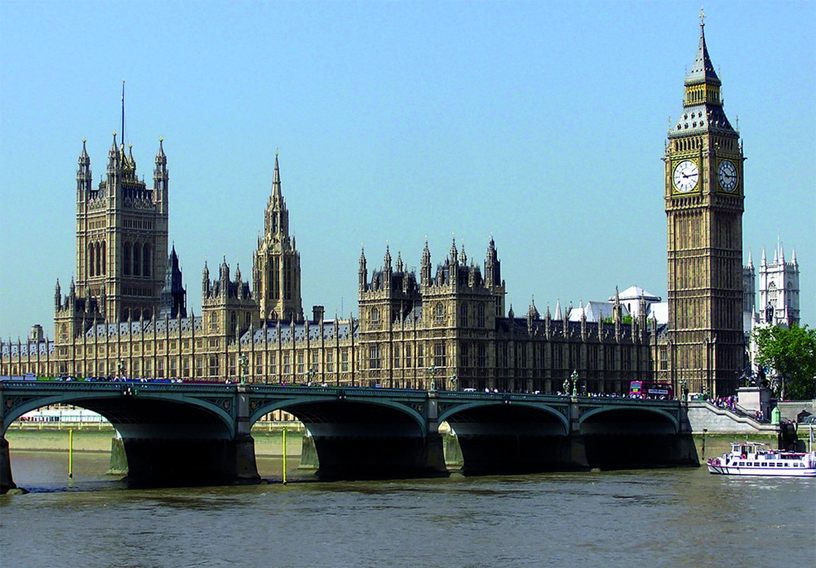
{"points": [[655, 391]]}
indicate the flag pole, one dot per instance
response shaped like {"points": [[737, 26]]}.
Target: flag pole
{"points": [[123, 113]]}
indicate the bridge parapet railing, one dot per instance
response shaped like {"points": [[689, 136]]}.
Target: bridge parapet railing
{"points": [[624, 401], [513, 396], [116, 386], [335, 390]]}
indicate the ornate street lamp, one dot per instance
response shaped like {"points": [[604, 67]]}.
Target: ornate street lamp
{"points": [[454, 380], [243, 363], [311, 374], [574, 378], [432, 374]]}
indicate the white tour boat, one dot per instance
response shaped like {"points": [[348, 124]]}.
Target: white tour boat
{"points": [[754, 458]]}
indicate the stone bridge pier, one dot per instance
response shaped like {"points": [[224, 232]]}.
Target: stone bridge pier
{"points": [[6, 481]]}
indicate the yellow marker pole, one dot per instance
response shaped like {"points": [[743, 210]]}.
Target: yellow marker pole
{"points": [[284, 454], [71, 453]]}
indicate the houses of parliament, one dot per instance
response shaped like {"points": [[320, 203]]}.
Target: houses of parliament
{"points": [[447, 327]]}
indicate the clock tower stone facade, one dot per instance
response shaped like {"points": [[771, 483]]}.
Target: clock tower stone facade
{"points": [[704, 194]]}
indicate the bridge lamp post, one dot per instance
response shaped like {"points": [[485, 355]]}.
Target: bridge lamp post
{"points": [[311, 374], [243, 363], [454, 380], [432, 374], [120, 367], [574, 378]]}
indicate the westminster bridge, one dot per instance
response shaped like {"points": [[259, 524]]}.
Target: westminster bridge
{"points": [[193, 433]]}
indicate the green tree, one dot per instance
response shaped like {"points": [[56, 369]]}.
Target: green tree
{"points": [[790, 353], [624, 320]]}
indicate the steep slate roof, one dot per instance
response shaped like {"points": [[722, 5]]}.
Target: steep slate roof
{"points": [[705, 116], [299, 329]]}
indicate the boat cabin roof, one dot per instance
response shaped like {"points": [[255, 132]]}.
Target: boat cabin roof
{"points": [[752, 447]]}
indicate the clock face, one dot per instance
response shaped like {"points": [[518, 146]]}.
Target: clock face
{"points": [[727, 175], [685, 176]]}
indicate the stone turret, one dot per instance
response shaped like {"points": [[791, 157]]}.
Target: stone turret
{"points": [[173, 295]]}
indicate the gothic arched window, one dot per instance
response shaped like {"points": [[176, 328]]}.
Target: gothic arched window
{"points": [[127, 259], [146, 260], [91, 263], [137, 255], [98, 248]]}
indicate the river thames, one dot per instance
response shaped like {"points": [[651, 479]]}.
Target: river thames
{"points": [[667, 517]]}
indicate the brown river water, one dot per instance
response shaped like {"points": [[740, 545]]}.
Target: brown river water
{"points": [[666, 517]]}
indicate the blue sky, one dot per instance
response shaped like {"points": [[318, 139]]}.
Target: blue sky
{"points": [[541, 123]]}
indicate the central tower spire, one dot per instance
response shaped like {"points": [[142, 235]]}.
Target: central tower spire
{"points": [[276, 266]]}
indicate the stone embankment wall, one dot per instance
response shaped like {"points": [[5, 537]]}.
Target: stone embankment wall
{"points": [[705, 416], [790, 409]]}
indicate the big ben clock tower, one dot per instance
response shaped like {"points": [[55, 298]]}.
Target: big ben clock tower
{"points": [[704, 193]]}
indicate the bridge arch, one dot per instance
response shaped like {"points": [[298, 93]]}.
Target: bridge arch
{"points": [[500, 435], [122, 410], [331, 409], [494, 410], [171, 433], [628, 419], [359, 433], [633, 435]]}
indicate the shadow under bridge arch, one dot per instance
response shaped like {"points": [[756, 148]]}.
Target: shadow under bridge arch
{"points": [[167, 438], [633, 437], [510, 437], [363, 439]]}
